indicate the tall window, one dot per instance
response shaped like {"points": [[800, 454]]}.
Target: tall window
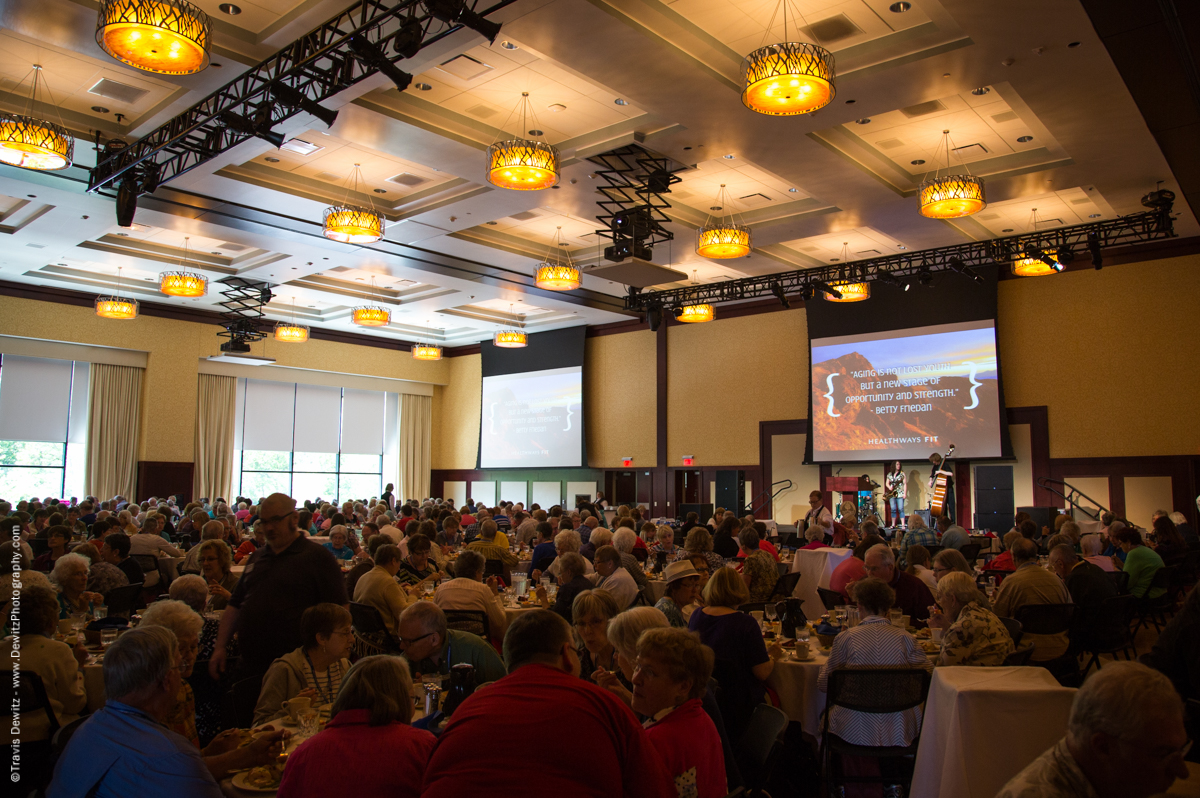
{"points": [[43, 427], [312, 441]]}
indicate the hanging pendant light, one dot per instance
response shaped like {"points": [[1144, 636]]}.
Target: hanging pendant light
{"points": [[289, 332], [371, 315], [788, 78], [951, 196], [697, 312], [851, 290], [421, 351], [1029, 264], [353, 224], [512, 338], [555, 273], [33, 143], [523, 164], [170, 37], [723, 237], [183, 283], [116, 306]]}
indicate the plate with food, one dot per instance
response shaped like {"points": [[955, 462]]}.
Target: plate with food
{"points": [[923, 634], [929, 646], [261, 779]]}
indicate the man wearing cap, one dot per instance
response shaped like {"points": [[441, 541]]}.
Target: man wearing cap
{"points": [[683, 584]]}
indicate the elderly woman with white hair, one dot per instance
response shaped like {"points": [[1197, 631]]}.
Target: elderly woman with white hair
{"points": [[1092, 547], [186, 624], [973, 635], [70, 575], [815, 534], [623, 633], [565, 542], [624, 539]]}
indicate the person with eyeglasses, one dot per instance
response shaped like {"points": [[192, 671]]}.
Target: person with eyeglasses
{"points": [[430, 646], [314, 670], [1125, 738], [281, 580]]}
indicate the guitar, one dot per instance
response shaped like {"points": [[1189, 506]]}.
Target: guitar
{"points": [[939, 483]]}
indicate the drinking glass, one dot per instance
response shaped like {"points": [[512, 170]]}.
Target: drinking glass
{"points": [[770, 612], [78, 621], [552, 592], [428, 588], [100, 611], [108, 636], [896, 617], [308, 722]]}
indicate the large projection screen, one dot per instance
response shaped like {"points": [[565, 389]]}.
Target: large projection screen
{"points": [[902, 394]]}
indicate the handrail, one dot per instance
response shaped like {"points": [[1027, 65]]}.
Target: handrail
{"points": [[754, 509], [1074, 493]]}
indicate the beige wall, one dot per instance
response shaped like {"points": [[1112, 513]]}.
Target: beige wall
{"points": [[174, 351], [621, 405], [1112, 353], [787, 462], [726, 376], [456, 414]]}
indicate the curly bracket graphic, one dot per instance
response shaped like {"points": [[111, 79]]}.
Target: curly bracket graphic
{"points": [[492, 417], [974, 387], [569, 414], [829, 396]]}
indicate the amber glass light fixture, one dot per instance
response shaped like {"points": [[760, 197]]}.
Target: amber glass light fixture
{"points": [[33, 143], [723, 237], [692, 314], [170, 37], [350, 223], [951, 196], [523, 164], [1027, 264], [557, 272], [116, 306], [183, 283], [512, 338], [851, 292], [370, 316], [426, 352], [788, 78], [289, 332]]}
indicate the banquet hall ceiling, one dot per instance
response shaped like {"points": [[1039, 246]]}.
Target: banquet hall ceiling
{"points": [[1031, 97]]}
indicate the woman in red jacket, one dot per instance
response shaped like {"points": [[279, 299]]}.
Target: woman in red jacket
{"points": [[673, 668], [368, 746]]}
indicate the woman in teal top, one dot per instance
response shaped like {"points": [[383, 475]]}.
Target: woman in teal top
{"points": [[337, 544], [1141, 563], [70, 575]]}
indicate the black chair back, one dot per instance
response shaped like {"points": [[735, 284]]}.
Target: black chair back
{"points": [[877, 691], [971, 552], [787, 539], [471, 621], [237, 705], [1015, 629], [934, 551], [123, 601], [25, 694], [147, 562], [1120, 579], [1020, 657], [495, 568], [1046, 619], [367, 619], [830, 598], [786, 585], [641, 555], [759, 746], [39, 546]]}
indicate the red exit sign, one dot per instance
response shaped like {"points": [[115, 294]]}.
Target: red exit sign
{"points": [[689, 461]]}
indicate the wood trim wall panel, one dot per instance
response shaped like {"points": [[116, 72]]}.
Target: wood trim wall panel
{"points": [[166, 479], [1180, 468]]}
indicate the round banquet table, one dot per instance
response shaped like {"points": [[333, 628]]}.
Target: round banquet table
{"points": [[984, 725], [796, 684], [815, 567]]}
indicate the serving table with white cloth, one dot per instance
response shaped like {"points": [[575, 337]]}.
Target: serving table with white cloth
{"points": [[984, 725], [796, 685], [815, 567]]}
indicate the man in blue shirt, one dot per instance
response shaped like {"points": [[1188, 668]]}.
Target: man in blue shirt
{"points": [[953, 535], [124, 749], [545, 551]]}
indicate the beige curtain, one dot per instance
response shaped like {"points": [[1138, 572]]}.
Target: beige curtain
{"points": [[114, 419], [216, 407], [416, 458]]}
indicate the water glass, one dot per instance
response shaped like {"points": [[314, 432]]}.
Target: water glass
{"points": [[108, 636], [428, 588], [308, 722], [769, 611], [100, 611], [896, 617]]}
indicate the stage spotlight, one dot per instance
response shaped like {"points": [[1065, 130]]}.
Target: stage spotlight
{"points": [[457, 11], [294, 98], [821, 285], [808, 292], [957, 265], [247, 128], [655, 317], [887, 278], [127, 197], [371, 53], [925, 277], [408, 39], [1065, 255], [1093, 245], [1046, 258], [777, 290], [150, 174]]}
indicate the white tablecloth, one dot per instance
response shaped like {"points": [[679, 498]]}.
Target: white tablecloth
{"points": [[983, 726], [815, 567], [796, 685]]}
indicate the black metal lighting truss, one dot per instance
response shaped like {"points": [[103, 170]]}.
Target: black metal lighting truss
{"points": [[243, 314], [1062, 243], [318, 65], [633, 208]]}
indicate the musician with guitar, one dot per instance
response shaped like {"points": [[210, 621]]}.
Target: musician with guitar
{"points": [[941, 483], [896, 486]]}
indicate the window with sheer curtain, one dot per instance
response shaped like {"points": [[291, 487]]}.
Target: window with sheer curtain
{"points": [[43, 427], [314, 441]]}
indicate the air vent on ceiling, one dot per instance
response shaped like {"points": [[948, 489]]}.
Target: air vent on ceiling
{"points": [[988, 216], [524, 216], [36, 246], [832, 29], [482, 111], [754, 200], [464, 67], [971, 150], [1080, 201], [112, 90], [339, 269], [1007, 116], [889, 144], [870, 253], [232, 247], [408, 179], [329, 176], [923, 109]]}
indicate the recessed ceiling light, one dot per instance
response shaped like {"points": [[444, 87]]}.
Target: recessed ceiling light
{"points": [[901, 246], [230, 9], [714, 207], [866, 120], [900, 8], [380, 191], [1093, 216], [509, 45], [491, 223], [556, 108], [1024, 139], [536, 132], [100, 109], [982, 90], [1007, 230], [123, 235], [555, 187], [851, 102], [216, 253], [728, 157], [619, 101], [301, 146], [945, 74], [834, 260], [687, 148], [793, 190], [918, 162], [271, 160], [422, 86]]}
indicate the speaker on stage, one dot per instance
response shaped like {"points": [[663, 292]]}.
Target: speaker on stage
{"points": [[731, 491]]}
